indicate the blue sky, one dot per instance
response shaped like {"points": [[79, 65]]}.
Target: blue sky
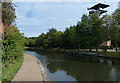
{"points": [[34, 18]]}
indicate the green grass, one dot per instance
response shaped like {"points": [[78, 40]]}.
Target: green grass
{"points": [[58, 50], [10, 69], [109, 53], [102, 53]]}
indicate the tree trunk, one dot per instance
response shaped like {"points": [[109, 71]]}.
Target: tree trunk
{"points": [[105, 49], [79, 46], [116, 49], [116, 46], [90, 49], [84, 49], [97, 49], [74, 46]]}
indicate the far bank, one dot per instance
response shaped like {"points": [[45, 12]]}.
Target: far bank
{"points": [[81, 52]]}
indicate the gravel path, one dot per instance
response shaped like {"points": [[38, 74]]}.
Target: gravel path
{"points": [[30, 70]]}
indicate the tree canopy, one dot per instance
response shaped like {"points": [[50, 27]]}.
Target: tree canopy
{"points": [[13, 40]]}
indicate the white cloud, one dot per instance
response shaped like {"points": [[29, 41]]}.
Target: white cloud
{"points": [[66, 0], [36, 18]]}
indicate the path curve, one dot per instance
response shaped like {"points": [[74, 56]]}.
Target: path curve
{"points": [[30, 70]]}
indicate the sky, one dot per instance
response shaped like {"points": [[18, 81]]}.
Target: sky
{"points": [[34, 18]]}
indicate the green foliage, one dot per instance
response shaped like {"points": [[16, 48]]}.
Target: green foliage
{"points": [[13, 40], [51, 39], [84, 29], [115, 28], [30, 42], [8, 13], [89, 33], [10, 69], [115, 25], [12, 43], [54, 38]]}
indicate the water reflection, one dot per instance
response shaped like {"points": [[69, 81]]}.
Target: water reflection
{"points": [[61, 67]]}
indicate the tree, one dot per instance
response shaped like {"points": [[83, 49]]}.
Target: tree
{"points": [[52, 34], [43, 41], [54, 38], [106, 31], [65, 39], [115, 27], [30, 42], [8, 13], [83, 31], [72, 37], [12, 43], [97, 30]]}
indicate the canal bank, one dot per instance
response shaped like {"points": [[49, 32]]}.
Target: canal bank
{"points": [[99, 54], [66, 67], [31, 70], [93, 54]]}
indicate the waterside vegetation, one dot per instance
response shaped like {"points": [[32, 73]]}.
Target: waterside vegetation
{"points": [[89, 33], [12, 43]]}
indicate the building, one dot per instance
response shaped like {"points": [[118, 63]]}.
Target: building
{"points": [[107, 43], [98, 8]]}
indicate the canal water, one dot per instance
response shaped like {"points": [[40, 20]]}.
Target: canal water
{"points": [[65, 67]]}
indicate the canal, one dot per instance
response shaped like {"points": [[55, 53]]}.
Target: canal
{"points": [[65, 67]]}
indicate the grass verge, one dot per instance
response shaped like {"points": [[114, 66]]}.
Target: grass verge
{"points": [[109, 53], [58, 50], [10, 69]]}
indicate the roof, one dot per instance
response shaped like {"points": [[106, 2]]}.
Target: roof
{"points": [[99, 5], [101, 11]]}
